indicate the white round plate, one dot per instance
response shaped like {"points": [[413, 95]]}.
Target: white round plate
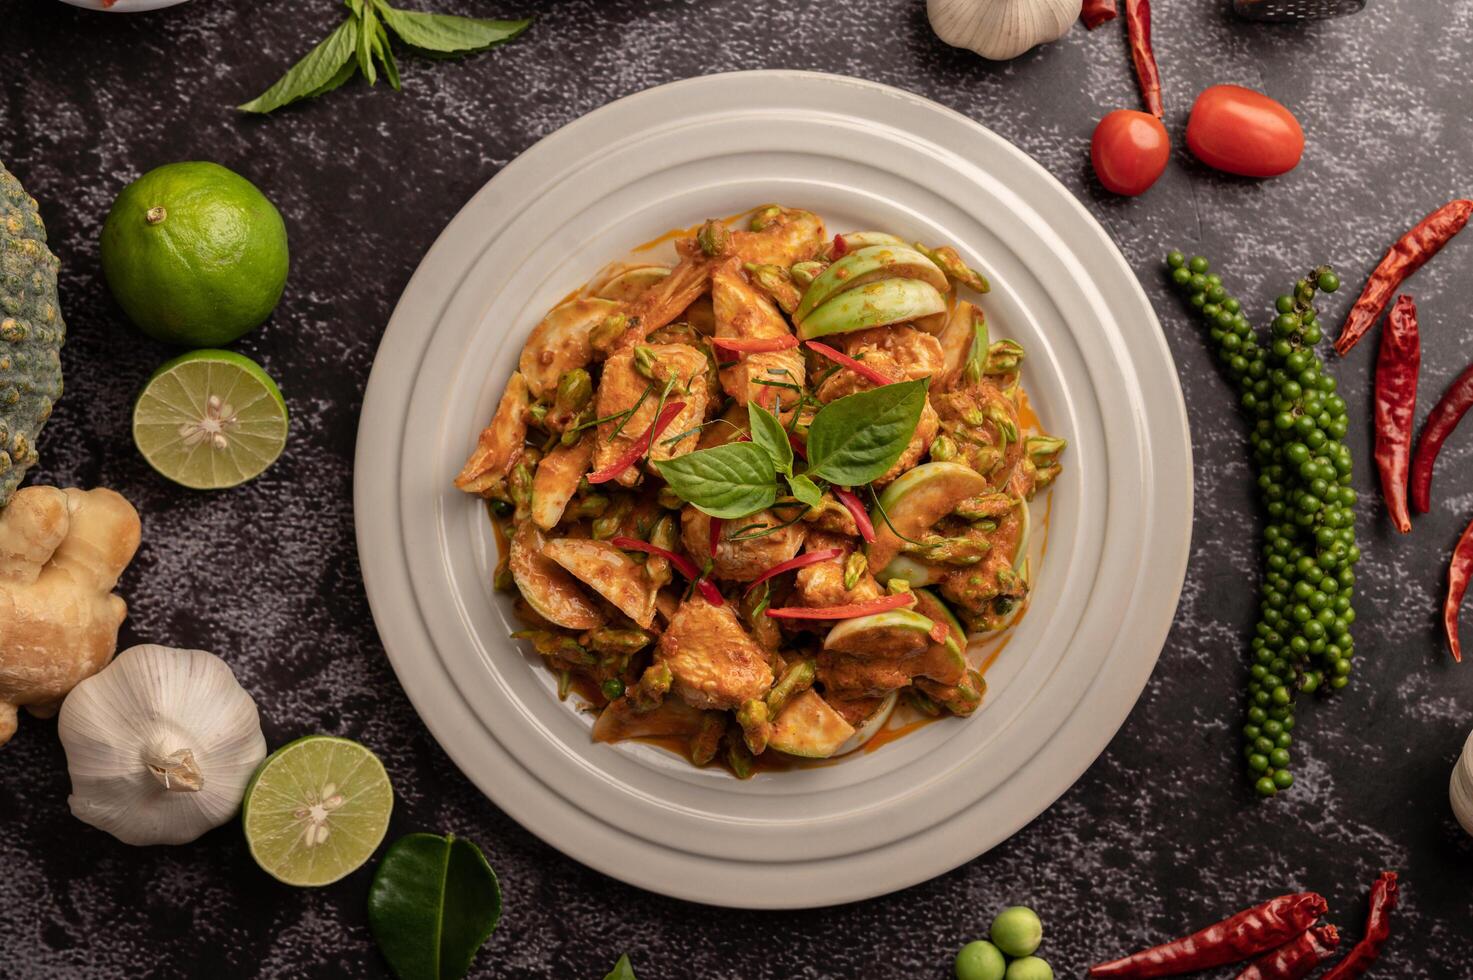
{"points": [[125, 6], [1098, 372]]}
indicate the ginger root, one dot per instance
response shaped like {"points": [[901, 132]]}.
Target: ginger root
{"points": [[61, 552]]}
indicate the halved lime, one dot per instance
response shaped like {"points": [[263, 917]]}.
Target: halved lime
{"points": [[210, 419], [316, 810]]}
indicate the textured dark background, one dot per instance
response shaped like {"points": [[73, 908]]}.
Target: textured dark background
{"points": [[1160, 835]]}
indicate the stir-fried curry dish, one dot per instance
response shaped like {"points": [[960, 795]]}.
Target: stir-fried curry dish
{"points": [[754, 500]]}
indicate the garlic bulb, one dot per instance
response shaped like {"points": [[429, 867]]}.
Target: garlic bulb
{"points": [[1001, 29], [160, 745], [1460, 788]]}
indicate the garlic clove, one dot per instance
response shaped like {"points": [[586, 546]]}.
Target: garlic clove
{"points": [[160, 745], [1001, 29]]}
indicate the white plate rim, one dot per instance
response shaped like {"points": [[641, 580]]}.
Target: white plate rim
{"points": [[452, 720]]}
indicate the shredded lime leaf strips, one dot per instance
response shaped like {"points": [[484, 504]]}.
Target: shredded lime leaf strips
{"points": [[360, 44]]}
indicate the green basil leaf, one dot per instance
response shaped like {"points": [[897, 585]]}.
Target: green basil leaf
{"points": [[367, 30], [622, 970], [433, 902], [805, 490], [312, 75], [447, 33], [727, 481], [386, 54], [769, 433], [340, 78], [857, 438]]}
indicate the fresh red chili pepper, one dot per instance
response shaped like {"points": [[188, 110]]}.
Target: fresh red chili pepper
{"points": [[682, 564], [882, 604], [800, 561], [858, 367], [756, 345], [1457, 584], [799, 450], [840, 247], [1096, 12], [1138, 27], [1296, 958], [1378, 930], [1409, 254], [1397, 364], [1248, 933], [641, 445], [851, 503], [715, 538], [1445, 417]]}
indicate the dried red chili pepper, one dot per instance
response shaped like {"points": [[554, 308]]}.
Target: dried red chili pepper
{"points": [[640, 446], [1409, 254], [1397, 364], [858, 367], [1248, 933], [856, 510], [1096, 12], [682, 564], [1445, 417], [882, 604], [1296, 958], [1457, 584], [1138, 27], [1378, 930]]}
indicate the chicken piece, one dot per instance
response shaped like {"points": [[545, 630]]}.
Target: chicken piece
{"points": [[983, 423], [728, 427], [741, 561], [557, 481], [915, 354], [500, 444], [780, 236], [830, 516], [919, 445], [823, 584], [743, 311], [664, 301], [847, 678], [561, 343], [713, 662], [620, 389]]}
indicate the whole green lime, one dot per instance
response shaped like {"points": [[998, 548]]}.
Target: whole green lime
{"points": [[194, 254]]}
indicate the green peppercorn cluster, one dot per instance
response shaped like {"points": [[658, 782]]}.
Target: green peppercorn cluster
{"points": [[1302, 641]]}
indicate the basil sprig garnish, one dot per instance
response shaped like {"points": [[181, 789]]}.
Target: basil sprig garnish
{"points": [[851, 441], [361, 42]]}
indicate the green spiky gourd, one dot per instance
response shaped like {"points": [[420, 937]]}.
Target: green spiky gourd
{"points": [[31, 332]]}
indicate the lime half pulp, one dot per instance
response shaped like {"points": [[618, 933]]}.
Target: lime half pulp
{"points": [[210, 419], [316, 810]]}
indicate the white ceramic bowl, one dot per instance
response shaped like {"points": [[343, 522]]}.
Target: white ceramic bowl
{"points": [[126, 6], [1098, 371]]}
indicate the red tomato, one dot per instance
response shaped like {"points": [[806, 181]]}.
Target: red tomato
{"points": [[1244, 132], [1129, 151]]}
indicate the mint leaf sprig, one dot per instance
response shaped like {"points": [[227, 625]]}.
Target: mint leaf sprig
{"points": [[361, 43], [851, 441]]}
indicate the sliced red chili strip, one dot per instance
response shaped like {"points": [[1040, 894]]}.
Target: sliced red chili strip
{"points": [[1378, 930], [853, 611], [1138, 27], [852, 503], [715, 536], [799, 561], [1410, 253], [641, 445], [840, 248], [799, 450], [1457, 585], [755, 345], [1445, 417], [1397, 363], [682, 564], [858, 367], [1248, 933], [1096, 12], [1295, 959]]}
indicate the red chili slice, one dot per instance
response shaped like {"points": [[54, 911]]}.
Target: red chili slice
{"points": [[683, 564], [799, 450], [882, 604], [840, 247], [755, 345], [858, 367], [851, 503], [641, 445], [715, 539], [800, 561]]}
